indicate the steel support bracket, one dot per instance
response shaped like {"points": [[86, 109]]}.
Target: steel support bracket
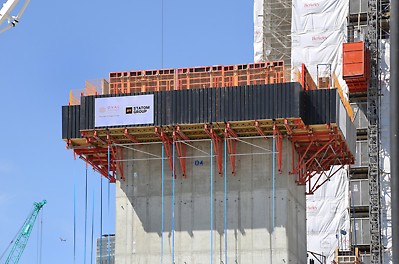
{"points": [[179, 137], [130, 137], [217, 142], [279, 146], [116, 154], [231, 138], [167, 143]]}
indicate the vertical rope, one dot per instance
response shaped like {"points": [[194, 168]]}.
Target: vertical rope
{"points": [[108, 190], [37, 243], [273, 181], [163, 202], [85, 243], [211, 201], [39, 239], [173, 203], [162, 21], [273, 194], [92, 229], [74, 222], [41, 235], [101, 219], [225, 199]]}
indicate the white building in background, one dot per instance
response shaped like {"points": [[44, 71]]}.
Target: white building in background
{"points": [[312, 32]]}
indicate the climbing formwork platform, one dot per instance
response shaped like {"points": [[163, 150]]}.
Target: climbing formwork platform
{"points": [[315, 121]]}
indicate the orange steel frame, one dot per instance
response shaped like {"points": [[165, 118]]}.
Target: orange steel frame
{"points": [[196, 77], [314, 152], [317, 152], [96, 154]]}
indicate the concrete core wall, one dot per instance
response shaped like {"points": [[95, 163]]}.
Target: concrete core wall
{"points": [[251, 236]]}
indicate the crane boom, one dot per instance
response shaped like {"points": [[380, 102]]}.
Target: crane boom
{"points": [[5, 14], [23, 236]]}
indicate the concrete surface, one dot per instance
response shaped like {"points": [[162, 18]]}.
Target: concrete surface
{"points": [[251, 236]]}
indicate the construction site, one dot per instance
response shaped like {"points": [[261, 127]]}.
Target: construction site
{"points": [[285, 159]]}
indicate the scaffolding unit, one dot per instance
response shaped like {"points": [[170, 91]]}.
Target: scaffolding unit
{"points": [[277, 30]]}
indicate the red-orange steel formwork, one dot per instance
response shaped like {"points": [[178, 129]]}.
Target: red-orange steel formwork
{"points": [[196, 77], [318, 152], [356, 66]]}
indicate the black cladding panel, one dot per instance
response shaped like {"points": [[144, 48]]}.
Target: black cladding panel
{"points": [[320, 106], [71, 121], [206, 105]]}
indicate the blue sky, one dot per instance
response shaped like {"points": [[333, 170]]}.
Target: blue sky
{"points": [[56, 47]]}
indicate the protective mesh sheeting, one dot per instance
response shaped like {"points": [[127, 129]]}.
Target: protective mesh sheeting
{"points": [[327, 214], [318, 31]]}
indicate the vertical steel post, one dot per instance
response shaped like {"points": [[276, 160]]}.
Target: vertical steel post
{"points": [[211, 201], [225, 199], [162, 201], [394, 84]]}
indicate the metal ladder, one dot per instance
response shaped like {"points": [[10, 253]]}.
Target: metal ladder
{"points": [[373, 100]]}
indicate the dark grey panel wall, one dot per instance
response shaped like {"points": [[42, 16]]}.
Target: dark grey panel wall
{"points": [[71, 121], [320, 106], [207, 105]]}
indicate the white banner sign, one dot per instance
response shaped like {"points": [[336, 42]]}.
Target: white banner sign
{"points": [[125, 110]]}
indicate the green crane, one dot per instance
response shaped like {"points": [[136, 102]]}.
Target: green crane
{"points": [[23, 235]]}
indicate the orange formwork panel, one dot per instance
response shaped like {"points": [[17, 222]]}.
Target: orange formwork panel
{"points": [[196, 77], [356, 68]]}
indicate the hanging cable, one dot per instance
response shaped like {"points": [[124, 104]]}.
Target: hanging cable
{"points": [[41, 236], [273, 195], [163, 202], [225, 198], [273, 181], [101, 219], [173, 203], [74, 222], [162, 22], [39, 239], [37, 243], [211, 201], [108, 190], [92, 229], [85, 217]]}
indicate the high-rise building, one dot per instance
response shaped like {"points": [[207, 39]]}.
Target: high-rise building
{"points": [[106, 249], [318, 31]]}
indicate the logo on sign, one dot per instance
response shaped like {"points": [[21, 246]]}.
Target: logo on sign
{"points": [[137, 109], [311, 5], [319, 38]]}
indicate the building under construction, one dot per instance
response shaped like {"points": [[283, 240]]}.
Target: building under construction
{"points": [[347, 44], [244, 163]]}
